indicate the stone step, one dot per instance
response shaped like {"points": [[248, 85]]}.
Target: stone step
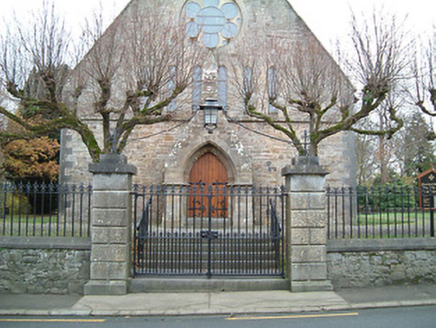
{"points": [[202, 284]]}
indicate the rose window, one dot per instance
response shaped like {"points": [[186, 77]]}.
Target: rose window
{"points": [[214, 22]]}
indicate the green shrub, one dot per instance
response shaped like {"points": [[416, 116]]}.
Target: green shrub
{"points": [[396, 195]]}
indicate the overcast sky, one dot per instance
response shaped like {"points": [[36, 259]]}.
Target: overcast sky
{"points": [[328, 19]]}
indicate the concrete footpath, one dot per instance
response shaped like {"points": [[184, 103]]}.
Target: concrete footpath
{"points": [[225, 303]]}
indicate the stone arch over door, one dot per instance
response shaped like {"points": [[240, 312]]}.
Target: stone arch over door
{"points": [[180, 162], [202, 153]]}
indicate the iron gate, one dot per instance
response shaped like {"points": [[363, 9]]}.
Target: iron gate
{"points": [[208, 230]]}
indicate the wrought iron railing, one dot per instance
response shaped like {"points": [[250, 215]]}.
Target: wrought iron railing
{"points": [[142, 229], [383, 212], [208, 230], [45, 210], [276, 231]]}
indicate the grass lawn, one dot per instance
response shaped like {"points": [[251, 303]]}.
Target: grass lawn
{"points": [[42, 225], [30, 218], [392, 218]]}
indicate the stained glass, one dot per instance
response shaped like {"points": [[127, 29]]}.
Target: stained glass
{"points": [[215, 22]]}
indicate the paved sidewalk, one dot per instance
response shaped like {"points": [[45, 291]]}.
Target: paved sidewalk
{"points": [[217, 303]]}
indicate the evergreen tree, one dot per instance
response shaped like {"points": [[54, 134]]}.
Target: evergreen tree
{"points": [[415, 152]]}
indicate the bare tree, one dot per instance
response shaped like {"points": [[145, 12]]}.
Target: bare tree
{"points": [[36, 55], [303, 83], [384, 154], [126, 72], [365, 150], [425, 78]]}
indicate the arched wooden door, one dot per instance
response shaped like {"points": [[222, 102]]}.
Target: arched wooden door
{"points": [[208, 171]]}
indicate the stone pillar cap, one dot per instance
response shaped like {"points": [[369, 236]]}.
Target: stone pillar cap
{"points": [[305, 165], [112, 164]]}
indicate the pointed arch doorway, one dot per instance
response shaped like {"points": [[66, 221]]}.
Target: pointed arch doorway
{"points": [[208, 179]]}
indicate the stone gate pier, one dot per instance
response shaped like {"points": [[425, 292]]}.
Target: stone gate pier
{"points": [[306, 225], [111, 226]]}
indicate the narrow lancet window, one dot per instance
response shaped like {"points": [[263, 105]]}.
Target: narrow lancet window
{"points": [[222, 86], [197, 87], [272, 88]]}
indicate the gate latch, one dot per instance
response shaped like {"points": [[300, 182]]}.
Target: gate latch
{"points": [[209, 234]]}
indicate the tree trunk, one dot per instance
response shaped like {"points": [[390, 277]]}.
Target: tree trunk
{"points": [[383, 160]]}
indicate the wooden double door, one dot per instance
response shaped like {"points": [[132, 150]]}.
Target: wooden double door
{"points": [[208, 179]]}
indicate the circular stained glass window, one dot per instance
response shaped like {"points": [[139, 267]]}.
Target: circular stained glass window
{"points": [[214, 22], [211, 20]]}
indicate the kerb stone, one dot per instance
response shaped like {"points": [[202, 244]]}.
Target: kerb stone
{"points": [[106, 287]]}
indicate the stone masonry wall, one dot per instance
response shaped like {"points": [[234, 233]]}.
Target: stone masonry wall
{"points": [[44, 265], [267, 157], [372, 263], [61, 265]]}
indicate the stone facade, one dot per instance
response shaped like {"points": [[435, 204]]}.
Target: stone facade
{"points": [[44, 265], [165, 152]]}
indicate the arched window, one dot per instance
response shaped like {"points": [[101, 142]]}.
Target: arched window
{"points": [[248, 80]]}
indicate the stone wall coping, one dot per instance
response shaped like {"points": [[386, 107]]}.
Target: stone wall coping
{"points": [[112, 164], [305, 165], [369, 245], [73, 243]]}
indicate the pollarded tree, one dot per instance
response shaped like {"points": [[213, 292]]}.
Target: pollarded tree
{"points": [[131, 49], [304, 84]]}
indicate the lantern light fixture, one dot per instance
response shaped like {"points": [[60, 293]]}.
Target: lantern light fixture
{"points": [[210, 109]]}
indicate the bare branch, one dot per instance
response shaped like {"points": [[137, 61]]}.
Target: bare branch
{"points": [[424, 76], [129, 76], [309, 85]]}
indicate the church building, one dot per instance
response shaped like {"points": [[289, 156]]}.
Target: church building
{"points": [[230, 147]]}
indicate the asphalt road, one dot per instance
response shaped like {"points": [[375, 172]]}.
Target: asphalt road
{"points": [[406, 317]]}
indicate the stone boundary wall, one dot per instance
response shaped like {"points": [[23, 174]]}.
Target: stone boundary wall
{"points": [[38, 265], [371, 263]]}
